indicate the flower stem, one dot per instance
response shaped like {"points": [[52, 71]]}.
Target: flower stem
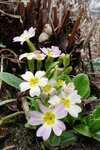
{"points": [[39, 64], [31, 46], [49, 60], [31, 65]]}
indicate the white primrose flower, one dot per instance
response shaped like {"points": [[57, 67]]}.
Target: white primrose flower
{"points": [[33, 82], [69, 100], [25, 36], [53, 52], [49, 119], [49, 88], [70, 87], [39, 55], [29, 56]]}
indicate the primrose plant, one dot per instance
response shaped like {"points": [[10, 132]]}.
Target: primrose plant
{"points": [[55, 101]]}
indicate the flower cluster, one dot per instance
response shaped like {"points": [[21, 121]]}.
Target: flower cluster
{"points": [[59, 105], [58, 97]]}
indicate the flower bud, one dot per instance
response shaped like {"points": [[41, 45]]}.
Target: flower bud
{"points": [[48, 29], [68, 70], [43, 37], [66, 60]]}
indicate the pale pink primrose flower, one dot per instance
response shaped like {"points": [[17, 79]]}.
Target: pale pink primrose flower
{"points": [[51, 52], [33, 82], [49, 118], [25, 36], [39, 55], [69, 100], [29, 56]]}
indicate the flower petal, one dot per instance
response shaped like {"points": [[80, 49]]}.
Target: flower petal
{"points": [[54, 100], [43, 81], [43, 108], [27, 76], [22, 42], [35, 121], [31, 32], [24, 86], [61, 125], [57, 130], [17, 39], [74, 97], [36, 118], [60, 111], [35, 114], [73, 112], [40, 74], [77, 108], [22, 56], [44, 131], [35, 91]]}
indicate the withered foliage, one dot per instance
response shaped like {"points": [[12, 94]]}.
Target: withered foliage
{"points": [[14, 18]]}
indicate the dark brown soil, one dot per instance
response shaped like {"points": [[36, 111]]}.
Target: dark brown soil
{"points": [[20, 138]]}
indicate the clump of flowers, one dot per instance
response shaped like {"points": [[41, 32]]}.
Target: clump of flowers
{"points": [[57, 98], [53, 98]]}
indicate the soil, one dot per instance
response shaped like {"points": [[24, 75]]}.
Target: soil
{"points": [[20, 138]]}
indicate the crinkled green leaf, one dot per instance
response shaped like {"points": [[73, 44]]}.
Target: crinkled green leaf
{"points": [[96, 113], [54, 140], [81, 82], [10, 79], [95, 125], [96, 136], [83, 129], [67, 138]]}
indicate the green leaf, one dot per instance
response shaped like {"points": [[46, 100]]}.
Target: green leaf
{"points": [[95, 125], [54, 140], [10, 79], [83, 129], [96, 136], [81, 83], [65, 78], [92, 98], [68, 138], [35, 105], [52, 65], [96, 113]]}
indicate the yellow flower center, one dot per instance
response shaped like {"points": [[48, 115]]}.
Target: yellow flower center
{"points": [[50, 53], [38, 56], [27, 55], [47, 88], [66, 102], [49, 118], [60, 83], [26, 38], [34, 82]]}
